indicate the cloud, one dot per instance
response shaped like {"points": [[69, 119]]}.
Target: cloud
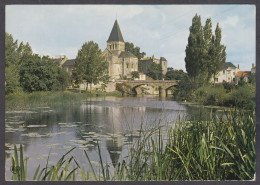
{"points": [[231, 20], [158, 30]]}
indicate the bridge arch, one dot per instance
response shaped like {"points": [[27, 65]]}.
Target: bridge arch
{"points": [[139, 85], [168, 88]]}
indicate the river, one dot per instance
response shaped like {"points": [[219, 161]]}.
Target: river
{"points": [[114, 122]]}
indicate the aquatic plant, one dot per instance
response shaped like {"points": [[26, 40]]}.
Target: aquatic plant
{"points": [[218, 149]]}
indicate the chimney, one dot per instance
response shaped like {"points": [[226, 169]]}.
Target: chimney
{"points": [[253, 65], [238, 66]]}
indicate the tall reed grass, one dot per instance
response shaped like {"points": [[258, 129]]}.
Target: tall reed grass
{"points": [[218, 149]]}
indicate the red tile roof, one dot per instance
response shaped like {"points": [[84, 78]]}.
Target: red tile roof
{"points": [[243, 73]]}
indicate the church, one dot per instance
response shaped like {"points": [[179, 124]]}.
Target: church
{"points": [[121, 63]]}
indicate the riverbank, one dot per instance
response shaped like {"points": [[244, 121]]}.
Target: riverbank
{"points": [[22, 100], [194, 150], [222, 95]]}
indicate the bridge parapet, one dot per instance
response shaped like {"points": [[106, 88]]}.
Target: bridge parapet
{"points": [[163, 85]]}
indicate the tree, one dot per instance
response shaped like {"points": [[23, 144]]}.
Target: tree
{"points": [[41, 74], [134, 50], [217, 53], [24, 50], [12, 68], [175, 75], [135, 74], [194, 49], [90, 66], [12, 79], [155, 71], [11, 54], [207, 33]]}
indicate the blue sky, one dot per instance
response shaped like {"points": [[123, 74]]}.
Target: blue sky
{"points": [[159, 30]]}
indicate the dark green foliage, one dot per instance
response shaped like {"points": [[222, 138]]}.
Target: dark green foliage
{"points": [[12, 79], [217, 53], [175, 75], [11, 54], [184, 89], [135, 74], [90, 66], [244, 97], [134, 50], [228, 86], [241, 82], [194, 49], [252, 78], [208, 95], [41, 74], [227, 95], [155, 71], [205, 55], [30, 72]]}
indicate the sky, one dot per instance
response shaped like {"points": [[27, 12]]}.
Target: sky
{"points": [[159, 30]]}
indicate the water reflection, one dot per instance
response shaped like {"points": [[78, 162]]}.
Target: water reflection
{"points": [[113, 122]]}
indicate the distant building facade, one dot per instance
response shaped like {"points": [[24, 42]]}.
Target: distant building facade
{"points": [[146, 63], [227, 74], [65, 63]]}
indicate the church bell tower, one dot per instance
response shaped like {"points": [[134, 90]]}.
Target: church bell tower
{"points": [[115, 41]]}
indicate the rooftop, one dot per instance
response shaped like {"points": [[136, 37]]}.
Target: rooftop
{"points": [[126, 54], [227, 65], [115, 34], [243, 73]]}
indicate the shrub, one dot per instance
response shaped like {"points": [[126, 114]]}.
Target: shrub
{"points": [[244, 97], [211, 96]]}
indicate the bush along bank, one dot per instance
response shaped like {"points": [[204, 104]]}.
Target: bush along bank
{"points": [[225, 94]]}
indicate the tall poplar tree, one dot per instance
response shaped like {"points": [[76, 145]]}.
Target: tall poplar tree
{"points": [[217, 53], [194, 49], [207, 30]]}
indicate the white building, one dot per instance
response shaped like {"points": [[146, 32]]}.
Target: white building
{"points": [[228, 73]]}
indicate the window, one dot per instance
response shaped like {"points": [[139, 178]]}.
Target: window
{"points": [[127, 66], [223, 71], [233, 73]]}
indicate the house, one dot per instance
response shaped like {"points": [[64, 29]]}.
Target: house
{"points": [[242, 75], [227, 74]]}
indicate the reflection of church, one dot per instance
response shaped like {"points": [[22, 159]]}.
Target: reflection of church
{"points": [[114, 148]]}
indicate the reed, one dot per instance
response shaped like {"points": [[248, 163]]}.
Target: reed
{"points": [[218, 149]]}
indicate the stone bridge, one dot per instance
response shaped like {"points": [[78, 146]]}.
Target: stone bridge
{"points": [[162, 85]]}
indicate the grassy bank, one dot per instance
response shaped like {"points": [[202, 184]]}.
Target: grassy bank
{"points": [[225, 95], [191, 150], [22, 100]]}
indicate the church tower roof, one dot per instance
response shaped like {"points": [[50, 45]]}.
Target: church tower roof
{"points": [[115, 34]]}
